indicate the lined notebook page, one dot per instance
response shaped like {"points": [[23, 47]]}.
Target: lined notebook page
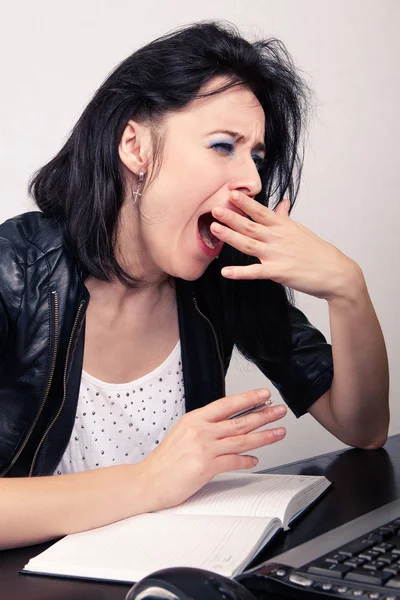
{"points": [[298, 504], [248, 495], [131, 549]]}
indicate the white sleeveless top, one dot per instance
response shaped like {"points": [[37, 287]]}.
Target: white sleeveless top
{"points": [[123, 423]]}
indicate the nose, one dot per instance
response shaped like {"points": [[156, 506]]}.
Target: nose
{"points": [[247, 181]]}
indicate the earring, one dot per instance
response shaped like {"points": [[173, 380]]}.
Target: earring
{"points": [[137, 193]]}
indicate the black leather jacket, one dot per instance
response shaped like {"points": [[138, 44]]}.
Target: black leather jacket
{"points": [[43, 301]]}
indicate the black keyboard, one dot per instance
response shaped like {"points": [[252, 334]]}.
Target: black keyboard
{"points": [[373, 559], [365, 567]]}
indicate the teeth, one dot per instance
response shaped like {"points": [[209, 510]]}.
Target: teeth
{"points": [[206, 238]]}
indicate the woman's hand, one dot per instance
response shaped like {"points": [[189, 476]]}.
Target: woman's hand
{"points": [[289, 253], [204, 443]]}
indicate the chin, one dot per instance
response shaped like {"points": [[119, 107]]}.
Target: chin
{"points": [[191, 272]]}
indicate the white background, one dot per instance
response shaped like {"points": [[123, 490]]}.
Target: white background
{"points": [[54, 56]]}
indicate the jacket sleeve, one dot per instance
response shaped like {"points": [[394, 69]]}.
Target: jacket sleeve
{"points": [[308, 373], [11, 291]]}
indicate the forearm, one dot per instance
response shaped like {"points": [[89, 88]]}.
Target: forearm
{"points": [[203, 443], [359, 394], [37, 509]]}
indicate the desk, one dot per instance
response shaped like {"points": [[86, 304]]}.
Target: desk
{"points": [[363, 480]]}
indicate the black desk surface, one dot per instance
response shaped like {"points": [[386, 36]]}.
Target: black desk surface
{"points": [[363, 480]]}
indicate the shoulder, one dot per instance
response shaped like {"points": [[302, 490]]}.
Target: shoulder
{"points": [[32, 250], [24, 243], [29, 236]]}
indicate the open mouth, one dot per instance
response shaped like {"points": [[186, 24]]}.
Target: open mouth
{"points": [[206, 234]]}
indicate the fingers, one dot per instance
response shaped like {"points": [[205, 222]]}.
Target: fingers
{"points": [[247, 236], [257, 271], [250, 441], [243, 243], [247, 423], [231, 462], [235, 436], [257, 211], [283, 208], [240, 224], [223, 408]]}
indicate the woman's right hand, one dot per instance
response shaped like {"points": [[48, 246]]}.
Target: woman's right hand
{"points": [[201, 444], [204, 443]]}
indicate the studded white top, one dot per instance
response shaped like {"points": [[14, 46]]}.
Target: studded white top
{"points": [[123, 423]]}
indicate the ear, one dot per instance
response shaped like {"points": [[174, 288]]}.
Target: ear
{"points": [[134, 147]]}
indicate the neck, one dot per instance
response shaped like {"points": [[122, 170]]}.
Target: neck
{"points": [[117, 296], [131, 251]]}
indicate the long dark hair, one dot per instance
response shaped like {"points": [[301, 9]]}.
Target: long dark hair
{"points": [[83, 185]]}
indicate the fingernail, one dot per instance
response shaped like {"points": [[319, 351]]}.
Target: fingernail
{"points": [[218, 212], [279, 432], [264, 394], [280, 410], [255, 460], [216, 227]]}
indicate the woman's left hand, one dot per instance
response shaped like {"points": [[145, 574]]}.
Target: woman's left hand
{"points": [[289, 253]]}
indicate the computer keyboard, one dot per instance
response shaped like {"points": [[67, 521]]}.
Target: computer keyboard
{"points": [[366, 566], [373, 558]]}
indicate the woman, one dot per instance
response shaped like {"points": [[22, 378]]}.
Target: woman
{"points": [[155, 253]]}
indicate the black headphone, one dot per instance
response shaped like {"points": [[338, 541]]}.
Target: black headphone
{"points": [[185, 583]]}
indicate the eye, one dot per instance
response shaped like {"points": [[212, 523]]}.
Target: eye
{"points": [[259, 162], [228, 148], [224, 147]]}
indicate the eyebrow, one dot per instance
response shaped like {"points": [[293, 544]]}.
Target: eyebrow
{"points": [[260, 146]]}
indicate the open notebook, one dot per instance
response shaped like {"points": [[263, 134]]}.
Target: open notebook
{"points": [[221, 528]]}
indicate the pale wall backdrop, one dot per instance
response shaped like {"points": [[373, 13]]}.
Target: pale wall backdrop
{"points": [[54, 55]]}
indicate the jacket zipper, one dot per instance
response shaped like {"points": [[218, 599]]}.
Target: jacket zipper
{"points": [[64, 389], [216, 343], [52, 367]]}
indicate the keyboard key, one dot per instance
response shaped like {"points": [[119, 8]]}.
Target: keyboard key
{"points": [[383, 548], [388, 558], [300, 580], [355, 562], [374, 537], [362, 576], [389, 530], [335, 558], [356, 547], [394, 570], [336, 571], [393, 583], [326, 587], [339, 589], [369, 555], [373, 565]]}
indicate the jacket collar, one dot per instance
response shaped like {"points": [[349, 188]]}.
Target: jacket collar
{"points": [[203, 370]]}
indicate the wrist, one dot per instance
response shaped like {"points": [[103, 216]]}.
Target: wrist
{"points": [[142, 494], [350, 287]]}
